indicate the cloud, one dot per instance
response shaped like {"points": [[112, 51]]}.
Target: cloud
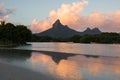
{"points": [[71, 15], [106, 21], [38, 26], [4, 13], [67, 13]]}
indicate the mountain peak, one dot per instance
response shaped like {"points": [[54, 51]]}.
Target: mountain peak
{"points": [[92, 31], [96, 30], [88, 30], [57, 21], [57, 24], [60, 30]]}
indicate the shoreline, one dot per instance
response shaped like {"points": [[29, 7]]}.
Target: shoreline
{"points": [[11, 45], [54, 53]]}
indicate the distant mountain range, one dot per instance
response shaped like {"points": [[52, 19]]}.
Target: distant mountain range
{"points": [[60, 30]]}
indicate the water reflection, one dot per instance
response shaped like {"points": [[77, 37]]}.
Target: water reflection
{"points": [[56, 65], [11, 55], [63, 66], [94, 49], [57, 57], [77, 67]]}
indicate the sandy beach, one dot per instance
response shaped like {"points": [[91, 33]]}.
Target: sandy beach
{"points": [[10, 72]]}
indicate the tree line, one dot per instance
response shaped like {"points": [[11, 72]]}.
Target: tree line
{"points": [[98, 38], [14, 34]]}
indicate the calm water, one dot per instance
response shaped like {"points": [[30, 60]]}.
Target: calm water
{"points": [[94, 49], [65, 66]]}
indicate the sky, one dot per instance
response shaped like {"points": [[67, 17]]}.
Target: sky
{"points": [[39, 15]]}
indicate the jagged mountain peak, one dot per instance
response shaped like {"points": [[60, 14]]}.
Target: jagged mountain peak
{"points": [[57, 21], [92, 31], [57, 24], [60, 30], [88, 30], [96, 29]]}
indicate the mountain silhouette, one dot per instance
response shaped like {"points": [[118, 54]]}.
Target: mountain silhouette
{"points": [[60, 30], [91, 31], [58, 56]]}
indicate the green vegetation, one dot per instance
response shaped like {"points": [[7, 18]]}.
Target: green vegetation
{"points": [[14, 35], [107, 38], [36, 38], [99, 38]]}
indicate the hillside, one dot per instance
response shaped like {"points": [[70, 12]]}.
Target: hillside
{"points": [[60, 30]]}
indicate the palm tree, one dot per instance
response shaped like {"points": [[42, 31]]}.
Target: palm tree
{"points": [[2, 23]]}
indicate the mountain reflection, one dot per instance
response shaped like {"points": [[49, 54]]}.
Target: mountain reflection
{"points": [[64, 69], [77, 67], [57, 57]]}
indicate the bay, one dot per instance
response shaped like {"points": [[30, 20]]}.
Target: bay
{"points": [[62, 61]]}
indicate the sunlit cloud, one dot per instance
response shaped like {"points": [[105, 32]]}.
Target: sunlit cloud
{"points": [[38, 26], [105, 21], [4, 13], [71, 15], [67, 13]]}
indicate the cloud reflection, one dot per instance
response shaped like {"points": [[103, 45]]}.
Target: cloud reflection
{"points": [[68, 70], [64, 69], [78, 67]]}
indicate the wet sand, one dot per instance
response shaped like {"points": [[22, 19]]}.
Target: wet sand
{"points": [[10, 72]]}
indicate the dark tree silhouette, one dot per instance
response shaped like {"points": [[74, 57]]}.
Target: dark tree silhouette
{"points": [[11, 34]]}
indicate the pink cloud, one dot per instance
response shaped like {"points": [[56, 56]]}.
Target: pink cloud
{"points": [[70, 14], [105, 21], [67, 13], [40, 25]]}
